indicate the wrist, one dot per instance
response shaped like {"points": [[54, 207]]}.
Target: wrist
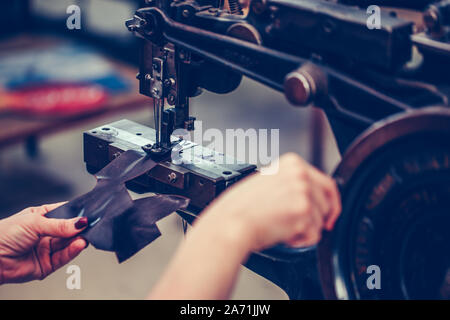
{"points": [[2, 229], [2, 280], [230, 231]]}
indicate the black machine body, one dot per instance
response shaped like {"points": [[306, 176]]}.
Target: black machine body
{"points": [[385, 91]]}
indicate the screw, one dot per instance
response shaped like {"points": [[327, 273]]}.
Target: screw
{"points": [[172, 177], [186, 13], [147, 148], [171, 99], [156, 67], [148, 77], [117, 154], [169, 82]]}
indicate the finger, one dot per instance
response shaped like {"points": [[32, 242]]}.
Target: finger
{"points": [[335, 198], [315, 216], [307, 227], [61, 228], [43, 253], [311, 204], [57, 244], [46, 208], [306, 239], [42, 210], [67, 254], [318, 219], [321, 201], [331, 193]]}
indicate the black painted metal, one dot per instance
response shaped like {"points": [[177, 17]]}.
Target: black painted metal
{"points": [[360, 77]]}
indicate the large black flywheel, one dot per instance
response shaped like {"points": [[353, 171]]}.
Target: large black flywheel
{"points": [[392, 240]]}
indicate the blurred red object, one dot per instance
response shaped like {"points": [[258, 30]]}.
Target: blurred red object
{"points": [[54, 100]]}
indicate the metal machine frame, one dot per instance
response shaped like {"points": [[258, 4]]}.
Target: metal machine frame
{"points": [[315, 52]]}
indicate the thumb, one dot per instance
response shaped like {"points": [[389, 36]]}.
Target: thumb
{"points": [[62, 228]]}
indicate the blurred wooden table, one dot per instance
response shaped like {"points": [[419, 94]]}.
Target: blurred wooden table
{"points": [[16, 129]]}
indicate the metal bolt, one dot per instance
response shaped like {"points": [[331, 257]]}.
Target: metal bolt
{"points": [[171, 99], [186, 13], [297, 89], [304, 84], [147, 148], [148, 77], [169, 82], [155, 66], [116, 154], [172, 177]]}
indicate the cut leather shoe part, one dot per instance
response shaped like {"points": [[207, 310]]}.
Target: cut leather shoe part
{"points": [[116, 222], [137, 227]]}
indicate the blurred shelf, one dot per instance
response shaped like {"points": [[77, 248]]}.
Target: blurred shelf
{"points": [[17, 128]]}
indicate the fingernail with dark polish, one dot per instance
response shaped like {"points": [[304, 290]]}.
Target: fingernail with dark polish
{"points": [[81, 223]]}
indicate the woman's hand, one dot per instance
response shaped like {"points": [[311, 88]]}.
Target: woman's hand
{"points": [[33, 246], [292, 206]]}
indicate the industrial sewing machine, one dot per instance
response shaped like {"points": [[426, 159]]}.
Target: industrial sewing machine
{"points": [[385, 92]]}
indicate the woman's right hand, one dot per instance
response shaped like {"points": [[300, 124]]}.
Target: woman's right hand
{"points": [[291, 206]]}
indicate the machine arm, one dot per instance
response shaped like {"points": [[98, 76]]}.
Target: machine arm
{"points": [[313, 51], [322, 53]]}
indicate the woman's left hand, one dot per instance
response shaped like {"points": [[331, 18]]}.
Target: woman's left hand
{"points": [[33, 246]]}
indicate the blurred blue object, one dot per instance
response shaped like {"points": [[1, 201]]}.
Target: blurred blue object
{"points": [[61, 64]]}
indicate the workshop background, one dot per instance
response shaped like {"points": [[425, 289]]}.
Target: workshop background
{"points": [[41, 155]]}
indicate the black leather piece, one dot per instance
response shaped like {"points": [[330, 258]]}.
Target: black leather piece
{"points": [[115, 221], [137, 228]]}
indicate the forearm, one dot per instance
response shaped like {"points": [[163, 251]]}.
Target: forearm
{"points": [[2, 280], [207, 263]]}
